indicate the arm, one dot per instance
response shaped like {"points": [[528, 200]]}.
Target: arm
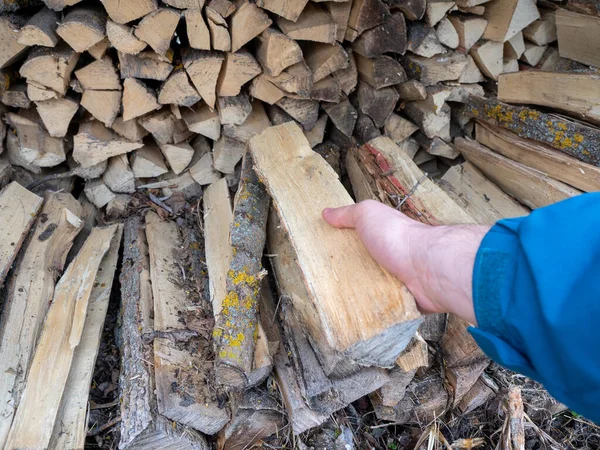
{"points": [[532, 285]]}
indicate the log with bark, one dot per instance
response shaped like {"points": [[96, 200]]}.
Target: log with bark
{"points": [[391, 175], [141, 423], [539, 156], [576, 94], [530, 187], [182, 369], [573, 138], [236, 329]]}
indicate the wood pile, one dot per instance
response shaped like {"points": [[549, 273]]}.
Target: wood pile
{"points": [[202, 140]]}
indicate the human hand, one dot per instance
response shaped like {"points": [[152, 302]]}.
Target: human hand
{"points": [[435, 263]]}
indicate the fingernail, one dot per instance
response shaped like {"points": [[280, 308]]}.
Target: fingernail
{"points": [[327, 211]]}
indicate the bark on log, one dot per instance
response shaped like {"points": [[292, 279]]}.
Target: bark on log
{"points": [[237, 327], [146, 65], [574, 138], [219, 252], [41, 29], [388, 37], [83, 27], [50, 67], [427, 204], [10, 29]]}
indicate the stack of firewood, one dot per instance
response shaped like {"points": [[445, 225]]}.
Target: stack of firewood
{"points": [[143, 105]]}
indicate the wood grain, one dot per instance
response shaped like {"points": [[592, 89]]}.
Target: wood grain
{"points": [[18, 208], [59, 338], [527, 185], [334, 315]]}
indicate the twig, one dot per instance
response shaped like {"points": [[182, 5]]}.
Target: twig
{"points": [[383, 425], [516, 418], [103, 405], [157, 201], [412, 191], [281, 297], [182, 272], [542, 433], [106, 426]]}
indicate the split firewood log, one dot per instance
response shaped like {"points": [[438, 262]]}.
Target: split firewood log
{"points": [[512, 176], [60, 336], [192, 403], [70, 430], [571, 137], [480, 198], [141, 423], [40, 29], [237, 324], [29, 296], [536, 155], [276, 148], [428, 204]]}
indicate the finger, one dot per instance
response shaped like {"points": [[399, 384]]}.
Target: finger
{"points": [[344, 217]]}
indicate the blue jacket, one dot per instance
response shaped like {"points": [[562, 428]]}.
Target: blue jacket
{"points": [[536, 291]]}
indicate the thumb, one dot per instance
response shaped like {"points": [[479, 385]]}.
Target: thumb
{"points": [[344, 217]]}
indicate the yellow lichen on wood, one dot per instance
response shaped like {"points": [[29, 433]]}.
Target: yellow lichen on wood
{"points": [[497, 113], [242, 277], [574, 138], [230, 301]]}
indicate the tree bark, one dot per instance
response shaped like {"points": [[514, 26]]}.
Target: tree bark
{"points": [[570, 137], [237, 326]]}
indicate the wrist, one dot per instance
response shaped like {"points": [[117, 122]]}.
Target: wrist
{"points": [[443, 258]]}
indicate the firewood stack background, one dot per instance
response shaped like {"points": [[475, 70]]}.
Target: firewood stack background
{"points": [[137, 162]]}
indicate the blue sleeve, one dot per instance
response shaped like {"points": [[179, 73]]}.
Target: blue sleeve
{"points": [[536, 292]]}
